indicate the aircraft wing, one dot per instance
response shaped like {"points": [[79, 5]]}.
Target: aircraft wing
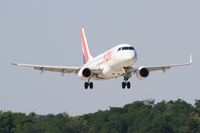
{"points": [[166, 67], [161, 67], [42, 68]]}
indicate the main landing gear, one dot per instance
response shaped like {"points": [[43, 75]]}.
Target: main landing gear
{"points": [[88, 84], [125, 83]]}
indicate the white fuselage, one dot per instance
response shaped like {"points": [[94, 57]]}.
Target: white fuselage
{"points": [[113, 61]]}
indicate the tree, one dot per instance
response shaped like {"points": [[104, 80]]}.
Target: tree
{"points": [[164, 117]]}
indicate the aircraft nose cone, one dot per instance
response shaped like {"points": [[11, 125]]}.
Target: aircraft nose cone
{"points": [[132, 56], [135, 56]]}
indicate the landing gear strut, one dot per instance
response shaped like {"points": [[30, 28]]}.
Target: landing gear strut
{"points": [[88, 84], [125, 83]]}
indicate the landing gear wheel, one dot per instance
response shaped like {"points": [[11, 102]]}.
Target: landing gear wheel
{"points": [[86, 85], [91, 85], [123, 85], [128, 84]]}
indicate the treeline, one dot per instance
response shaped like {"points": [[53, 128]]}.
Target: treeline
{"points": [[139, 117]]}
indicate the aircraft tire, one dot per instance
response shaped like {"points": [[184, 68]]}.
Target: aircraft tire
{"points": [[123, 85], [91, 85], [86, 85], [128, 84]]}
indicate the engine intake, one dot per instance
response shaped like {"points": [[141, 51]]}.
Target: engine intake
{"points": [[86, 72], [142, 73]]}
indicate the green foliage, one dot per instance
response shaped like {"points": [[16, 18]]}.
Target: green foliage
{"points": [[138, 117]]}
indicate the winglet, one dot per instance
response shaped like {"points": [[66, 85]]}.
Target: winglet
{"points": [[14, 64], [190, 58]]}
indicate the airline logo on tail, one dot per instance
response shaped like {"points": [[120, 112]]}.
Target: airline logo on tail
{"points": [[86, 53]]}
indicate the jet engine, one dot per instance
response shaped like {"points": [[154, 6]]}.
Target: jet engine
{"points": [[142, 73], [84, 73]]}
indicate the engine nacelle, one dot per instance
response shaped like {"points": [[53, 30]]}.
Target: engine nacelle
{"points": [[84, 73], [142, 73]]}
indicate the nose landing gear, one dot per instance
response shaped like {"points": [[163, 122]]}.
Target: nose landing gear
{"points": [[125, 83]]}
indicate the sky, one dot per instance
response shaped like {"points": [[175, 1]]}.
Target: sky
{"points": [[48, 32]]}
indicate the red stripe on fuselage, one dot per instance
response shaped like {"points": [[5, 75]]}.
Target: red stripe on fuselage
{"points": [[85, 52]]}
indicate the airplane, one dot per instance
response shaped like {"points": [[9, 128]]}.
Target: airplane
{"points": [[116, 62]]}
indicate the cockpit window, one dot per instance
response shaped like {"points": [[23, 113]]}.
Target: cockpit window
{"points": [[126, 48], [131, 48]]}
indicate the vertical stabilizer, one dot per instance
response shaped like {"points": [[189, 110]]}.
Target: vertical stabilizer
{"points": [[86, 52]]}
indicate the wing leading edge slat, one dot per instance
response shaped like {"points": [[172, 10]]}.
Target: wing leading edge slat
{"points": [[159, 68], [61, 69]]}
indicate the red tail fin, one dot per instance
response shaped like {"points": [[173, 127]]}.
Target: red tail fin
{"points": [[86, 53]]}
